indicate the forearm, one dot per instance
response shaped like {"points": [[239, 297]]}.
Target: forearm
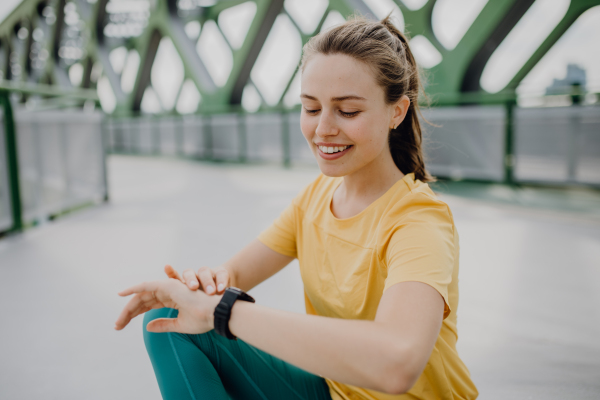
{"points": [[253, 264], [361, 353]]}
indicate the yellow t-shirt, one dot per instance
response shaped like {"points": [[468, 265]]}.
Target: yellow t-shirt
{"points": [[346, 264]]}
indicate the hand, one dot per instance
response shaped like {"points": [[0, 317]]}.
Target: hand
{"points": [[205, 279], [196, 309]]}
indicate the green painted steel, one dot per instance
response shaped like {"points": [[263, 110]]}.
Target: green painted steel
{"points": [[509, 144], [12, 162], [8, 89], [41, 40], [43, 90], [576, 8]]}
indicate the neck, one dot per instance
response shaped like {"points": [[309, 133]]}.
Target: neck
{"points": [[373, 179]]}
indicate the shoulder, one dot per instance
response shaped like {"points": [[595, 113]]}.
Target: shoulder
{"points": [[414, 203]]}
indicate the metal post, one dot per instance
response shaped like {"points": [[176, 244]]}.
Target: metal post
{"points": [[69, 196], [509, 156], [285, 139], [40, 208], [137, 122], [12, 162], [104, 147], [180, 136], [131, 135], [119, 137], [207, 137], [242, 136], [156, 137], [573, 135], [107, 133]]}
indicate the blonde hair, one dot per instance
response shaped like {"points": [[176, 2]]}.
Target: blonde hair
{"points": [[385, 49]]}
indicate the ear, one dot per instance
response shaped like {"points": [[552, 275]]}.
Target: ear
{"points": [[399, 111]]}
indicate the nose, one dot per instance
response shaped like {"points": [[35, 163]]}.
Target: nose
{"points": [[327, 125]]}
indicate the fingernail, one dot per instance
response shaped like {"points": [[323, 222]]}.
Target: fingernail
{"points": [[209, 289], [192, 283], [221, 286]]}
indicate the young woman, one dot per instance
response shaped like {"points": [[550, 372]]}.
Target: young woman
{"points": [[378, 255]]}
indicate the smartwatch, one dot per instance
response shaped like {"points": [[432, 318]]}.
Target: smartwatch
{"points": [[223, 310]]}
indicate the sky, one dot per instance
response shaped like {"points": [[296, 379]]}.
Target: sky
{"points": [[6, 6]]}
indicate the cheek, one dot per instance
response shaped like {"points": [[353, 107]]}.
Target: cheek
{"points": [[307, 127], [369, 134]]}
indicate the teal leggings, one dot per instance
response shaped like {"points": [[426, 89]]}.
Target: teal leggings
{"points": [[211, 367]]}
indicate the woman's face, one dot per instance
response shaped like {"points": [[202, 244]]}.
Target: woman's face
{"points": [[345, 119]]}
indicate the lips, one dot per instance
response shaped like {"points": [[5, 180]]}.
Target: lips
{"points": [[332, 152]]}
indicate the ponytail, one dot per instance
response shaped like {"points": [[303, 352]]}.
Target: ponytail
{"points": [[382, 46], [406, 140]]}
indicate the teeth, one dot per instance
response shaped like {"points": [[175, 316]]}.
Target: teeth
{"points": [[330, 150]]}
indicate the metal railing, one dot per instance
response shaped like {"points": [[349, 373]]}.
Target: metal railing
{"points": [[6, 217], [61, 161], [495, 143], [51, 161]]}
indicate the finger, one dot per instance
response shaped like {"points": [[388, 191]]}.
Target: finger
{"points": [[142, 287], [163, 325], [122, 322], [172, 273], [222, 277], [190, 279], [139, 304], [205, 275]]}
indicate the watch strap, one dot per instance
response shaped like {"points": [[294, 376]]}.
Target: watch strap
{"points": [[222, 312]]}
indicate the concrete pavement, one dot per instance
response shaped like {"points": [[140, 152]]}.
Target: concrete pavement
{"points": [[530, 282]]}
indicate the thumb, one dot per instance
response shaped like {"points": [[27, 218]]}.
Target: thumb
{"points": [[172, 273], [160, 325]]}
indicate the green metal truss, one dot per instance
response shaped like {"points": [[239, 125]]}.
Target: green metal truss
{"points": [[41, 40]]}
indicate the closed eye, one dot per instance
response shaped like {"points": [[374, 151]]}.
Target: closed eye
{"points": [[344, 114]]}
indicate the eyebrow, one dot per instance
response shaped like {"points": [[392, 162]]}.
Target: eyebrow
{"points": [[334, 99]]}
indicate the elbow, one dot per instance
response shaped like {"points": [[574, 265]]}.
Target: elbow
{"points": [[401, 374]]}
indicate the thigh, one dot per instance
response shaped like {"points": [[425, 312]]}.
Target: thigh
{"points": [[211, 363], [248, 373]]}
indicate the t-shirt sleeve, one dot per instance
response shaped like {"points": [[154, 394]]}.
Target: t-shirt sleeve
{"points": [[281, 235], [421, 248]]}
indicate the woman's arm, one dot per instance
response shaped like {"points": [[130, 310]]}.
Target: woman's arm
{"points": [[249, 267], [387, 354]]}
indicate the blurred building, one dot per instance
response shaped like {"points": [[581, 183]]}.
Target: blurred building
{"points": [[576, 76]]}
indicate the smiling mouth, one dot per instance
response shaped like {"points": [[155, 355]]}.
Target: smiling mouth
{"points": [[334, 149]]}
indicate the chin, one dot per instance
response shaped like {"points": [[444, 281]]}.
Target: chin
{"points": [[333, 171]]}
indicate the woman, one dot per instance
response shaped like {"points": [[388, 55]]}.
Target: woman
{"points": [[378, 256]]}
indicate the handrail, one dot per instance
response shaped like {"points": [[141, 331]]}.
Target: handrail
{"points": [[12, 162], [48, 90], [10, 133]]}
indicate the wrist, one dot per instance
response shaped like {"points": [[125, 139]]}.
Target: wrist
{"points": [[224, 309], [213, 302]]}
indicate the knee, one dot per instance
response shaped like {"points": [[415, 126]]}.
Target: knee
{"points": [[154, 340]]}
